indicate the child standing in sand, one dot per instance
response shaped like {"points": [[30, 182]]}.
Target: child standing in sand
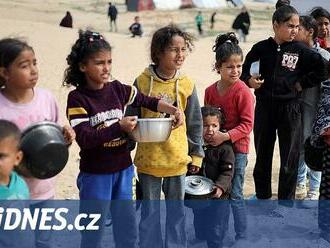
{"points": [[164, 165], [307, 33], [95, 111], [211, 222], [285, 66], [237, 102], [20, 102]]}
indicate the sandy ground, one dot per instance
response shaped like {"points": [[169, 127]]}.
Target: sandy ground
{"points": [[38, 24]]}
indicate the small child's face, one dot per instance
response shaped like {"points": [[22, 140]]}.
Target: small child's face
{"points": [[210, 126], [23, 72], [97, 69], [174, 55], [231, 70], [10, 156]]}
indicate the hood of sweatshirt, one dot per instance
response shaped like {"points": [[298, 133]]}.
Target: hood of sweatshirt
{"points": [[149, 72]]}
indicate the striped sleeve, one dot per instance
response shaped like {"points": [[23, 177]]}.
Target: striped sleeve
{"points": [[87, 136], [77, 115], [132, 95]]}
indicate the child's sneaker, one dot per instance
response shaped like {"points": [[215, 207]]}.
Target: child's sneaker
{"points": [[310, 200], [312, 195], [253, 197], [301, 192]]}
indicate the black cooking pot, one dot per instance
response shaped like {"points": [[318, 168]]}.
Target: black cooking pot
{"points": [[198, 191], [45, 150]]}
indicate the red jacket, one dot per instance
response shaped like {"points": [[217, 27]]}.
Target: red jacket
{"points": [[238, 107]]}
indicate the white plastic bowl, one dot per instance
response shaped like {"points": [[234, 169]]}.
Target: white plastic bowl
{"points": [[152, 130]]}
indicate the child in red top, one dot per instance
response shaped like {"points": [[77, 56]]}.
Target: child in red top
{"points": [[237, 102]]}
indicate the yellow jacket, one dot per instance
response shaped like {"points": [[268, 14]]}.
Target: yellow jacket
{"points": [[184, 146]]}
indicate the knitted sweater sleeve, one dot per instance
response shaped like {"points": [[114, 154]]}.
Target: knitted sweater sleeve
{"points": [[245, 106]]}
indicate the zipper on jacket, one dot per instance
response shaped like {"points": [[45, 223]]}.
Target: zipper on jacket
{"points": [[278, 51]]}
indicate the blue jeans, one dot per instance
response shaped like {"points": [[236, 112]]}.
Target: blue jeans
{"points": [[237, 197], [150, 224], [103, 188], [314, 176], [310, 99], [43, 238]]}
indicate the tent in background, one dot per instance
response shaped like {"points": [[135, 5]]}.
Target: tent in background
{"points": [[139, 5], [209, 3], [168, 4], [187, 4]]}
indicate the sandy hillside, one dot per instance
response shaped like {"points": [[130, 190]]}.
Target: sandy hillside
{"points": [[38, 23]]}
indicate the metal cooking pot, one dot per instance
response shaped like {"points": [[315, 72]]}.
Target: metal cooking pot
{"points": [[198, 191], [152, 130], [45, 150], [198, 187]]}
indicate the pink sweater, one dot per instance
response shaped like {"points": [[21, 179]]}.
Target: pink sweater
{"points": [[238, 107], [42, 107]]}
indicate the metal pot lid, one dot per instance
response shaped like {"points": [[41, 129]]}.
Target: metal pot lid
{"points": [[198, 185]]}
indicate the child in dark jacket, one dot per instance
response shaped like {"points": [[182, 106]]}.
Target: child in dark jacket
{"points": [[286, 66], [218, 165]]}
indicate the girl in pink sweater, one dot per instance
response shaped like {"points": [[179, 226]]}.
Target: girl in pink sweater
{"points": [[237, 102]]}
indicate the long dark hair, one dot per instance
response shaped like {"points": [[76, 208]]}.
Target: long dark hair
{"points": [[318, 12], [284, 14], [308, 23], [86, 45], [225, 46], [10, 49]]}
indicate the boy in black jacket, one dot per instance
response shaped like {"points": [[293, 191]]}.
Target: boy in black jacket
{"points": [[218, 165]]}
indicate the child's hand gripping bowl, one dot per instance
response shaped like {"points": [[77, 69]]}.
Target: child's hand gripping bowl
{"points": [[177, 119]]}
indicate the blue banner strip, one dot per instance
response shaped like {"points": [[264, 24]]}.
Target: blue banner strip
{"points": [[194, 223]]}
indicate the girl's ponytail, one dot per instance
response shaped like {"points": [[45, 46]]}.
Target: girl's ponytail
{"points": [[225, 46]]}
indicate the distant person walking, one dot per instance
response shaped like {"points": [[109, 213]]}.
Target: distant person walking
{"points": [[212, 19], [242, 24], [112, 14], [66, 20], [199, 22]]}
